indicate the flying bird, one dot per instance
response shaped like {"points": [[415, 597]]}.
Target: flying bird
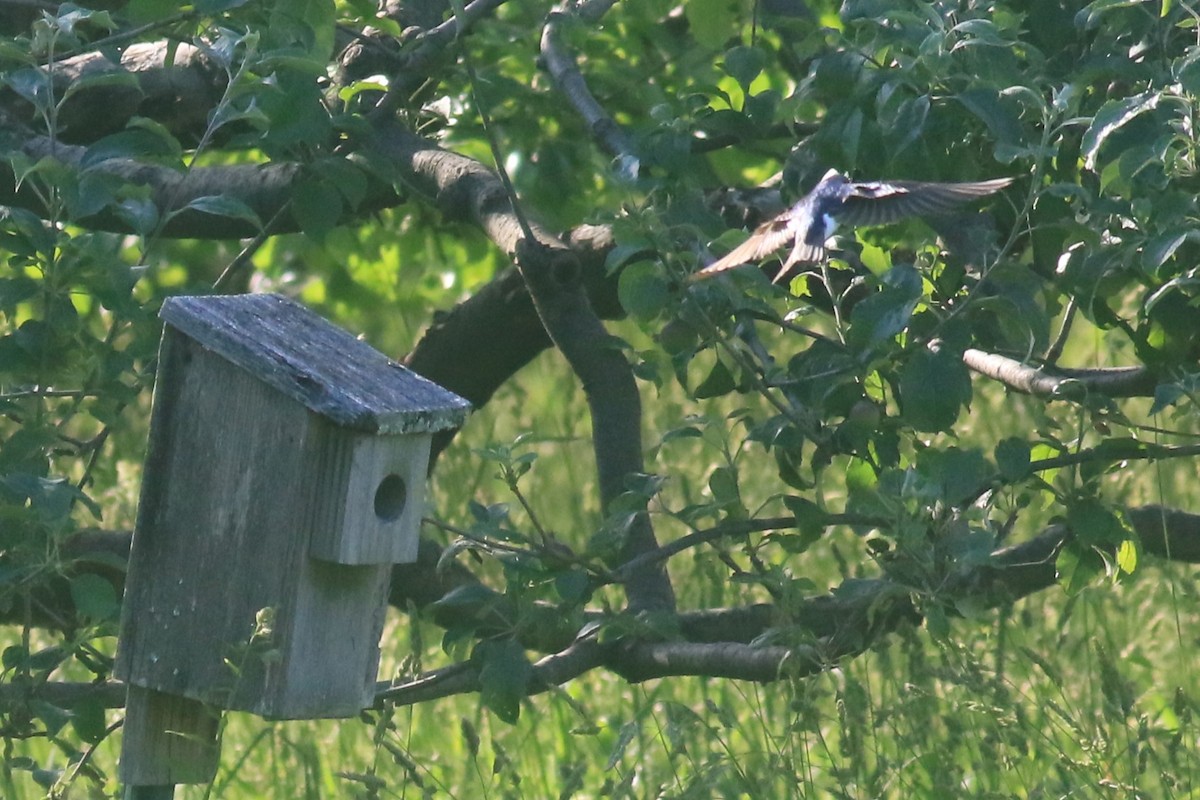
{"points": [[836, 200]]}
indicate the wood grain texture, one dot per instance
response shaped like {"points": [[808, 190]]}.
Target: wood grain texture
{"points": [[232, 476], [167, 740], [316, 363], [369, 507]]}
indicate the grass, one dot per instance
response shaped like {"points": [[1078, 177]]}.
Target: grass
{"points": [[1056, 697]]}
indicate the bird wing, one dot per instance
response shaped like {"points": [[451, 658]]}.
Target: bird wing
{"points": [[802, 253], [766, 239], [880, 202]]}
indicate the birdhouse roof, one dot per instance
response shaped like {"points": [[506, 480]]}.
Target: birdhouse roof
{"points": [[316, 363]]}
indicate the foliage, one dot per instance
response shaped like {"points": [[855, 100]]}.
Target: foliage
{"points": [[878, 429]]}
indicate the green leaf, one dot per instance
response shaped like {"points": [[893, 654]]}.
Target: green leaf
{"points": [[744, 64], [347, 177], [959, 475], [53, 717], [316, 207], [1093, 523], [14, 657], [968, 546], [887, 312], [113, 78], [712, 22], [723, 483], [469, 596], [142, 11], [810, 518], [572, 586], [33, 85], [140, 214], [1165, 396], [503, 677], [719, 382], [94, 598], [1002, 123], [934, 387], [1075, 568], [1127, 556], [140, 144], [1110, 118], [903, 123], [87, 720], [222, 205], [1012, 457], [307, 23], [642, 290]]}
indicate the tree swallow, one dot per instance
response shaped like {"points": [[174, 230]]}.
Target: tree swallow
{"points": [[836, 200]]}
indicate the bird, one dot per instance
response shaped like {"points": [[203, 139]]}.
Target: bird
{"points": [[837, 200]]}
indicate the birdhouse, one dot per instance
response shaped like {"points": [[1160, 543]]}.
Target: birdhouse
{"points": [[285, 475]]}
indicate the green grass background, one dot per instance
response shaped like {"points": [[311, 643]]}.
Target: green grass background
{"points": [[1055, 697]]}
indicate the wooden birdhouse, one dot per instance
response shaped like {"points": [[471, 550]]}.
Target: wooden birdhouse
{"points": [[285, 475]]}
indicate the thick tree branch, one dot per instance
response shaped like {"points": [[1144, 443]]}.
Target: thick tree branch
{"points": [[264, 188], [140, 83], [552, 274]]}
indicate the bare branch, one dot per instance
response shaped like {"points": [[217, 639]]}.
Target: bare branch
{"points": [[460, 187], [1060, 383], [64, 694], [1127, 451], [552, 276], [744, 662], [569, 80], [728, 530]]}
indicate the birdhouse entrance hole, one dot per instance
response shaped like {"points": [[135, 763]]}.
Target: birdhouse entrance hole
{"points": [[390, 498]]}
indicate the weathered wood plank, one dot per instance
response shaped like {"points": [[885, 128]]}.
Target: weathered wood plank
{"points": [[316, 363], [374, 519], [167, 740], [223, 533]]}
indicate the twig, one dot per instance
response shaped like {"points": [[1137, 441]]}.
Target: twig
{"points": [[582, 656], [426, 49], [1056, 347], [730, 529], [489, 544], [1142, 452], [242, 259]]}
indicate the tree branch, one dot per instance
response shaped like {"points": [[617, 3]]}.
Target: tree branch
{"points": [[1061, 383], [718, 642], [569, 80], [426, 51], [467, 190], [265, 188], [140, 83]]}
